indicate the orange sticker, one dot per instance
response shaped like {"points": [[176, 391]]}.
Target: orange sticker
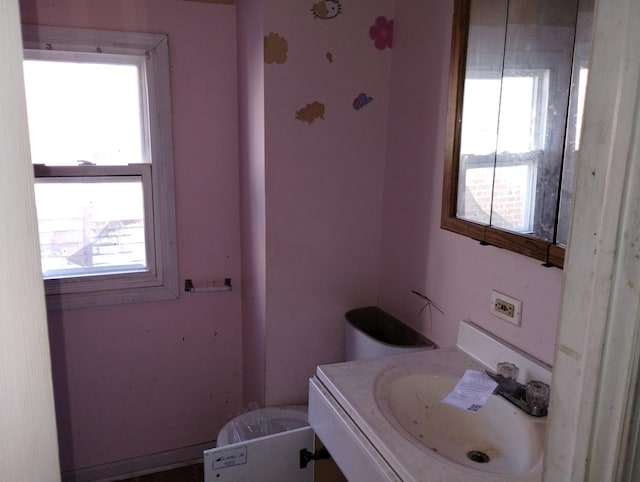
{"points": [[311, 112], [275, 49]]}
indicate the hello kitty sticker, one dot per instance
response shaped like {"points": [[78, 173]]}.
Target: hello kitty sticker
{"points": [[326, 9]]}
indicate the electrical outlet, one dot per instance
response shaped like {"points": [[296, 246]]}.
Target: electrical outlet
{"points": [[506, 308]]}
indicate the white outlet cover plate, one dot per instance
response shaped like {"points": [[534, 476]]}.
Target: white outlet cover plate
{"points": [[517, 304]]}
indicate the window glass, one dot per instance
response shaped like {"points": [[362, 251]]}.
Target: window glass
{"points": [[90, 226], [84, 112]]}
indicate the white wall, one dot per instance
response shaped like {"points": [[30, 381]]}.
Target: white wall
{"points": [[28, 441]]}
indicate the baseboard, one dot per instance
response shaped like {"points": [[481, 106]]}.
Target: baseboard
{"points": [[124, 469]]}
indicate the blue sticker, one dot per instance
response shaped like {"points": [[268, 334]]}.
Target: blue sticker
{"points": [[360, 101]]}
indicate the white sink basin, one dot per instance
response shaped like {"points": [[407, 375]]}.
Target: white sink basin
{"points": [[499, 438]]}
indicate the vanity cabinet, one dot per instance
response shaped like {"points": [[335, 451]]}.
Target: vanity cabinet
{"points": [[357, 458]]}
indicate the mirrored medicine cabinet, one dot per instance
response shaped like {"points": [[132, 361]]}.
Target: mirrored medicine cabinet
{"points": [[516, 94]]}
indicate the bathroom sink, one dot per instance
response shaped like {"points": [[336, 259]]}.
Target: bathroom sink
{"points": [[499, 438]]}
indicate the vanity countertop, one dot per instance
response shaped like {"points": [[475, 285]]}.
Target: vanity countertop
{"points": [[353, 385]]}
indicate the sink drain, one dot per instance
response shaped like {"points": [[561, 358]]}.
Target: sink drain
{"points": [[478, 456]]}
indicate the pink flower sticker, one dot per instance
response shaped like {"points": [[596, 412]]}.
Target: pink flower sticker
{"points": [[382, 33]]}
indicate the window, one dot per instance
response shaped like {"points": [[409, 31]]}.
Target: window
{"points": [[100, 131], [517, 83], [498, 178]]}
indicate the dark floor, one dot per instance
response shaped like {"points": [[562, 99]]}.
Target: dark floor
{"points": [[190, 473], [325, 471]]}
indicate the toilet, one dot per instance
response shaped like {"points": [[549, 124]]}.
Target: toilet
{"points": [[371, 332]]}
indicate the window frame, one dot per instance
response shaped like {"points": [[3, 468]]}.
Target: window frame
{"points": [[551, 254], [160, 281]]}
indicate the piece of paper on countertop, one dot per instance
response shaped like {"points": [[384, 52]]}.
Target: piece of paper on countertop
{"points": [[472, 391]]}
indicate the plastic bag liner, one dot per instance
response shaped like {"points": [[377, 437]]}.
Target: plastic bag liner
{"points": [[254, 423]]}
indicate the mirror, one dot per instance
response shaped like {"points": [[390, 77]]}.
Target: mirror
{"points": [[517, 87]]}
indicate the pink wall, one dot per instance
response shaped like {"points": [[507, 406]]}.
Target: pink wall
{"points": [[320, 192], [332, 242], [323, 185], [336, 214], [454, 271], [132, 380], [252, 190]]}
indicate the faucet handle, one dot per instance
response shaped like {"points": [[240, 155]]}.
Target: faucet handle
{"points": [[537, 395], [508, 370]]}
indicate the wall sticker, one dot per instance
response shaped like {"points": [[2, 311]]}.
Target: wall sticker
{"points": [[326, 9], [275, 49], [382, 33], [360, 101], [311, 112]]}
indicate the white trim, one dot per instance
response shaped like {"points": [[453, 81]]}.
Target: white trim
{"points": [[159, 93], [40, 37], [161, 281], [596, 347]]}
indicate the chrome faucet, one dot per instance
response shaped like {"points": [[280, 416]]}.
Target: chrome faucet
{"points": [[533, 397]]}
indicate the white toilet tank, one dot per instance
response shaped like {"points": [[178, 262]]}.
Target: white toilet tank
{"points": [[371, 332]]}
